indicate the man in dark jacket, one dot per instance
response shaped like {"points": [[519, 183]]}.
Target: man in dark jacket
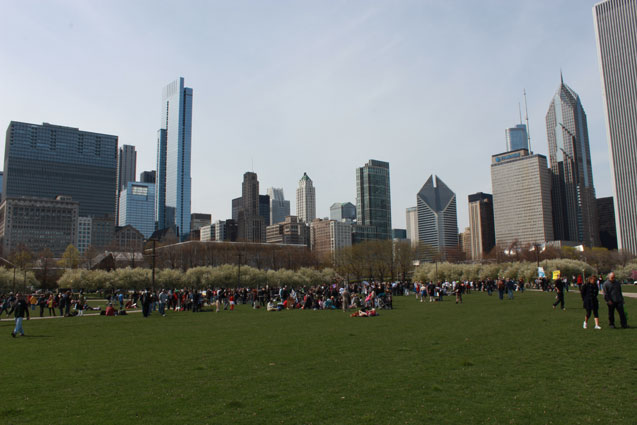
{"points": [[559, 288], [20, 308], [615, 300]]}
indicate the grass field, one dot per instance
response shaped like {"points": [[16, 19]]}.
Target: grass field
{"points": [[485, 361]]}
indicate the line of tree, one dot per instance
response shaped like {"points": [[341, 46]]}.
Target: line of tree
{"points": [[525, 270], [227, 276]]}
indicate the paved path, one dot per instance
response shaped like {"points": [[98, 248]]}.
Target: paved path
{"points": [[34, 317]]}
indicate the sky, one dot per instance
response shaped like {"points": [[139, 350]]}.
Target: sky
{"points": [[286, 87]]}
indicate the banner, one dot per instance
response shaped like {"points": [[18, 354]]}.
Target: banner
{"points": [[556, 274], [540, 272]]}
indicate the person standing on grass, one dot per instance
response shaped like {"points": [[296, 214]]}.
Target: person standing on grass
{"points": [[459, 291], [510, 288], [42, 303], [146, 301], [615, 300], [501, 289], [62, 300], [163, 297], [20, 308], [559, 288], [50, 303], [589, 293]]}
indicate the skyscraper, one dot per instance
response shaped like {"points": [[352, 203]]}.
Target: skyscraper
{"points": [[306, 200], [522, 210], [517, 138], [148, 176], [481, 225], [616, 32], [572, 190], [437, 217], [173, 159], [126, 169], [343, 211], [251, 224], [279, 207], [264, 209], [47, 160], [137, 207], [412, 225], [373, 198]]}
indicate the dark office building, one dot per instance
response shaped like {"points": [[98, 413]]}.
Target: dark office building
{"points": [[373, 199], [399, 233], [47, 160], [147, 176], [237, 204], [606, 217], [264, 209], [481, 226]]}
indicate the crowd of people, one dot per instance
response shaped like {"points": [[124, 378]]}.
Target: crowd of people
{"points": [[366, 298]]}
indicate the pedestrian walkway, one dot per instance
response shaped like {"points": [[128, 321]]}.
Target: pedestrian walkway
{"points": [[11, 319]]}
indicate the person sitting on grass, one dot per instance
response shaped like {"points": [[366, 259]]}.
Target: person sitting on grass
{"points": [[110, 311]]}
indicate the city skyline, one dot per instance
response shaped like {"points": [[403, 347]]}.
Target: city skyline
{"points": [[308, 95]]}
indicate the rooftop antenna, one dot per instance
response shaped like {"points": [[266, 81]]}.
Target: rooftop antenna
{"points": [[526, 115], [520, 110]]}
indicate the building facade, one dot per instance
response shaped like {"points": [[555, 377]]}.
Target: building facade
{"points": [[173, 159], [38, 224], [198, 220], [572, 189], [44, 161], [437, 218], [137, 207], [481, 226], [606, 218], [412, 225], [328, 236], [279, 207], [264, 209], [373, 198], [517, 138], [126, 168], [251, 223], [84, 227], [148, 176], [306, 200], [208, 233], [343, 211], [291, 231], [615, 29], [522, 209]]}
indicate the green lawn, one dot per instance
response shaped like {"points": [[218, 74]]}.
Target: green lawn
{"points": [[485, 361]]}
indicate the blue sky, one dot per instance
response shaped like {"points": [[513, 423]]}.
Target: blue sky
{"points": [[287, 87]]}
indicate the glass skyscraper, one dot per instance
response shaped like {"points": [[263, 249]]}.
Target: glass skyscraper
{"points": [[137, 207], [517, 138], [437, 217], [616, 31], [173, 183], [47, 160], [373, 200], [572, 190]]}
